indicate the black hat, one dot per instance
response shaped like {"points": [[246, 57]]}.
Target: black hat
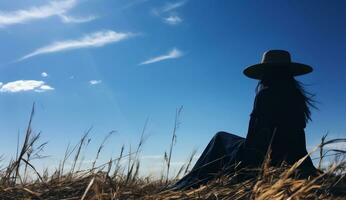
{"points": [[275, 60]]}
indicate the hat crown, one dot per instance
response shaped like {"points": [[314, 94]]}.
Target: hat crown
{"points": [[276, 56]]}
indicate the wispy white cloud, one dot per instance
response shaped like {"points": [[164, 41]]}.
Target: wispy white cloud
{"points": [[169, 8], [172, 6], [44, 74], [95, 82], [53, 8], [25, 85], [44, 88], [72, 19], [97, 39], [174, 53], [173, 20]]}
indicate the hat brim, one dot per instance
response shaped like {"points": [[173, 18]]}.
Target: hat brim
{"points": [[257, 71]]}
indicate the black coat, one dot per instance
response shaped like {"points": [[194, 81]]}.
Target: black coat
{"points": [[275, 120]]}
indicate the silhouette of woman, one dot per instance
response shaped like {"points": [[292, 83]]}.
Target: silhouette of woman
{"points": [[280, 113]]}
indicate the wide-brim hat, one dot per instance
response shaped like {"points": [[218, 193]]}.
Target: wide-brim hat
{"points": [[276, 61]]}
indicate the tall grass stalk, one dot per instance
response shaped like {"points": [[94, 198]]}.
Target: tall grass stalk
{"points": [[173, 140]]}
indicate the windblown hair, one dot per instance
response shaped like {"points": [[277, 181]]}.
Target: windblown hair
{"points": [[295, 89]]}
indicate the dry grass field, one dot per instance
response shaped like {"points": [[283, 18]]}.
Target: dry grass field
{"points": [[19, 179]]}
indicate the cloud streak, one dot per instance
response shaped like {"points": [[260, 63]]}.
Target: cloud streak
{"points": [[168, 12], [44, 74], [172, 6], [70, 19], [173, 54], [95, 82], [53, 8], [24, 86], [93, 40], [173, 20], [168, 7]]}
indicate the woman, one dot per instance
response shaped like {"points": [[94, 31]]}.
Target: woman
{"points": [[281, 111]]}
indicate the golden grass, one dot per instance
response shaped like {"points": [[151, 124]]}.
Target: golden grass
{"points": [[102, 186], [113, 181]]}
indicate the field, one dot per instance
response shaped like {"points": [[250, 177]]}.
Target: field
{"points": [[19, 179]]}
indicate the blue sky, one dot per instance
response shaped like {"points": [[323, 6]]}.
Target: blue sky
{"points": [[113, 64]]}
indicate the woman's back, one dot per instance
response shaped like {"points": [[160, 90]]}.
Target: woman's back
{"points": [[277, 121]]}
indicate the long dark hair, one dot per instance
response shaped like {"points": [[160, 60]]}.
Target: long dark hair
{"points": [[295, 89]]}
